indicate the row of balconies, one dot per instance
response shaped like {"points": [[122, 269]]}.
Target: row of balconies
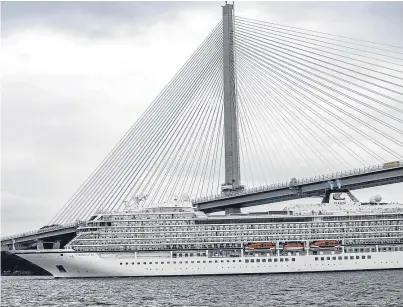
{"points": [[232, 239]]}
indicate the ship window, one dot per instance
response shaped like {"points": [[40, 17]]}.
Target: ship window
{"points": [[180, 262], [316, 258], [144, 262], [363, 257], [293, 259], [357, 257], [368, 257], [333, 258], [327, 258], [215, 261], [286, 259], [174, 262], [345, 257], [340, 258], [263, 260], [257, 260], [210, 261], [198, 261], [150, 263], [61, 254], [275, 260], [239, 260], [269, 260], [281, 259], [121, 263], [252, 260], [222, 260], [132, 263], [186, 261], [351, 257], [162, 262], [233, 260], [246, 260], [61, 268], [322, 258], [138, 262]]}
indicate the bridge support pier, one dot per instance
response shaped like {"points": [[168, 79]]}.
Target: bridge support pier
{"points": [[56, 244], [6, 248], [231, 142], [39, 244], [232, 210]]}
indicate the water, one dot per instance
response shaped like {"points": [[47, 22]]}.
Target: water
{"points": [[375, 288]]}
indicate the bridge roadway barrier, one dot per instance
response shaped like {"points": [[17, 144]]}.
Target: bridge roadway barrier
{"points": [[309, 187], [38, 235]]}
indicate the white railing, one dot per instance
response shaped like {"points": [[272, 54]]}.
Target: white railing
{"points": [[308, 180]]}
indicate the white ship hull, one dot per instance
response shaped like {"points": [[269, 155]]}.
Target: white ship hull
{"points": [[125, 265]]}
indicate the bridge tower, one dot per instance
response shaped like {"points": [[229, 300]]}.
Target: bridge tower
{"points": [[232, 165]]}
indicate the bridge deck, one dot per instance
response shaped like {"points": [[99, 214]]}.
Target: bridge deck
{"points": [[301, 188]]}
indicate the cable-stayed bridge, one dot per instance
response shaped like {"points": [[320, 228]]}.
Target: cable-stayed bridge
{"points": [[256, 104]]}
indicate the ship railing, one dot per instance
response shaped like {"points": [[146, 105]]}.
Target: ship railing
{"points": [[302, 181], [107, 212]]}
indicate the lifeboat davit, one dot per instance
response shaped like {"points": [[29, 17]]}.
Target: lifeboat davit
{"points": [[260, 246], [293, 246], [325, 244]]}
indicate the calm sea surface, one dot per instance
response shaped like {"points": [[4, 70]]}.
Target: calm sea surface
{"points": [[375, 288]]}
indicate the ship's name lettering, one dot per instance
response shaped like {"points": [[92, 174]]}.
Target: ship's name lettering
{"points": [[84, 254], [340, 202]]}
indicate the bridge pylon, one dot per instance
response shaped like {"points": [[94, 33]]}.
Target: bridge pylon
{"points": [[231, 140]]}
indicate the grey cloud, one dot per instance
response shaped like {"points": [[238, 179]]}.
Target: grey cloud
{"points": [[95, 19], [100, 19]]}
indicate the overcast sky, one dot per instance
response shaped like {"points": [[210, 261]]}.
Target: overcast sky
{"points": [[77, 75]]}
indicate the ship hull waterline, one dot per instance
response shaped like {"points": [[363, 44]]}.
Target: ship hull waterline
{"points": [[70, 264]]}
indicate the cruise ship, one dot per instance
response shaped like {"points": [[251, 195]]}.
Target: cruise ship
{"points": [[174, 239]]}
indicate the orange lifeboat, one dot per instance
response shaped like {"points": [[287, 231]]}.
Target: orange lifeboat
{"points": [[293, 246], [325, 244], [260, 246]]}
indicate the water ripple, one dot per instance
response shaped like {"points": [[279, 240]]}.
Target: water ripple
{"points": [[376, 288]]}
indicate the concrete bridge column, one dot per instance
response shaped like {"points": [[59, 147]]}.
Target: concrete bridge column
{"points": [[5, 248], [232, 210], [56, 244], [39, 244], [231, 141]]}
